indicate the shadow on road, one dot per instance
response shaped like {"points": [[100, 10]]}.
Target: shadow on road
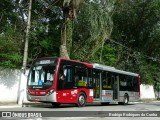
{"points": [[49, 105]]}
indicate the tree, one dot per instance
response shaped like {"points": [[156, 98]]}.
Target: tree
{"points": [[91, 30], [69, 12], [11, 35], [136, 27]]}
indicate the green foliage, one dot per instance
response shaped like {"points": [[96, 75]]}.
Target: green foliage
{"points": [[10, 60], [10, 51], [11, 35], [91, 29], [136, 26], [108, 55], [146, 74], [45, 31]]}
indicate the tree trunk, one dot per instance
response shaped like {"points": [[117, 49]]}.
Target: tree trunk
{"points": [[63, 47], [71, 15]]}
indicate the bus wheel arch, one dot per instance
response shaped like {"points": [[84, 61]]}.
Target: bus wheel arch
{"points": [[82, 99]]}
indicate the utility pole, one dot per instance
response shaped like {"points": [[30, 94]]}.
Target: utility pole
{"points": [[27, 38], [23, 78]]}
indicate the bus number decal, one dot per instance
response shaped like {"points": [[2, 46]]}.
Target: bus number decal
{"points": [[74, 92], [91, 92], [64, 94]]}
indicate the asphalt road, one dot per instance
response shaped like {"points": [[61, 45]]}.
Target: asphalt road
{"points": [[144, 111]]}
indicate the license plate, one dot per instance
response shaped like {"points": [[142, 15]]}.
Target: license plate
{"points": [[37, 99]]}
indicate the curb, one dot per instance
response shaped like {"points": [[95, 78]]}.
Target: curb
{"points": [[145, 102], [135, 102]]}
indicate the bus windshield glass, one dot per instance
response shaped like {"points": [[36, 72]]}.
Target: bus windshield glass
{"points": [[41, 76]]}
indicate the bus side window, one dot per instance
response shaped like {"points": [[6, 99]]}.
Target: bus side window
{"points": [[109, 82], [123, 82], [135, 83], [65, 74], [90, 80], [68, 80], [80, 76], [130, 86], [106, 80]]}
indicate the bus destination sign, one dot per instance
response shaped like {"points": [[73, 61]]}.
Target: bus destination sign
{"points": [[44, 62]]}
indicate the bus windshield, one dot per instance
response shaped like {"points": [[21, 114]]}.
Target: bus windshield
{"points": [[42, 76]]}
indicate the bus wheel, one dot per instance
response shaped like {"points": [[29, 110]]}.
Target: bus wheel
{"points": [[81, 100], [56, 104], [125, 100]]}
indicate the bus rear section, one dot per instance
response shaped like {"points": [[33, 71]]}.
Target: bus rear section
{"points": [[117, 85]]}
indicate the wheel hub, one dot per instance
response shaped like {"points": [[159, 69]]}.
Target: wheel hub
{"points": [[81, 100]]}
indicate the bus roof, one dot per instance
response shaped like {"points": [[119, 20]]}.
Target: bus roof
{"points": [[95, 65], [112, 69], [89, 65]]}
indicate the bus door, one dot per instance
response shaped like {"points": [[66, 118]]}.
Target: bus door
{"points": [[115, 84], [65, 83], [96, 85]]}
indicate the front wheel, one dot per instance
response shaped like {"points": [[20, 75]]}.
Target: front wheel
{"points": [[81, 102]]}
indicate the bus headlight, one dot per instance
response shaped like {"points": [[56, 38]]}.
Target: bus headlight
{"points": [[50, 91]]}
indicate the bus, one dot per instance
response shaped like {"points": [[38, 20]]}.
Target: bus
{"points": [[64, 81]]}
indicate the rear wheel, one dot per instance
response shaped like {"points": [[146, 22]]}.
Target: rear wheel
{"points": [[56, 104], [125, 100], [81, 102]]}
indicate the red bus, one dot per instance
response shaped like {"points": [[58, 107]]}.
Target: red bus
{"points": [[64, 81]]}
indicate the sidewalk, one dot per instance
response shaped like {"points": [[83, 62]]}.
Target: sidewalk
{"points": [[149, 100], [16, 105], [9, 105]]}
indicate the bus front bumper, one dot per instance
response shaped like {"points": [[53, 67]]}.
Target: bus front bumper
{"points": [[46, 98]]}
